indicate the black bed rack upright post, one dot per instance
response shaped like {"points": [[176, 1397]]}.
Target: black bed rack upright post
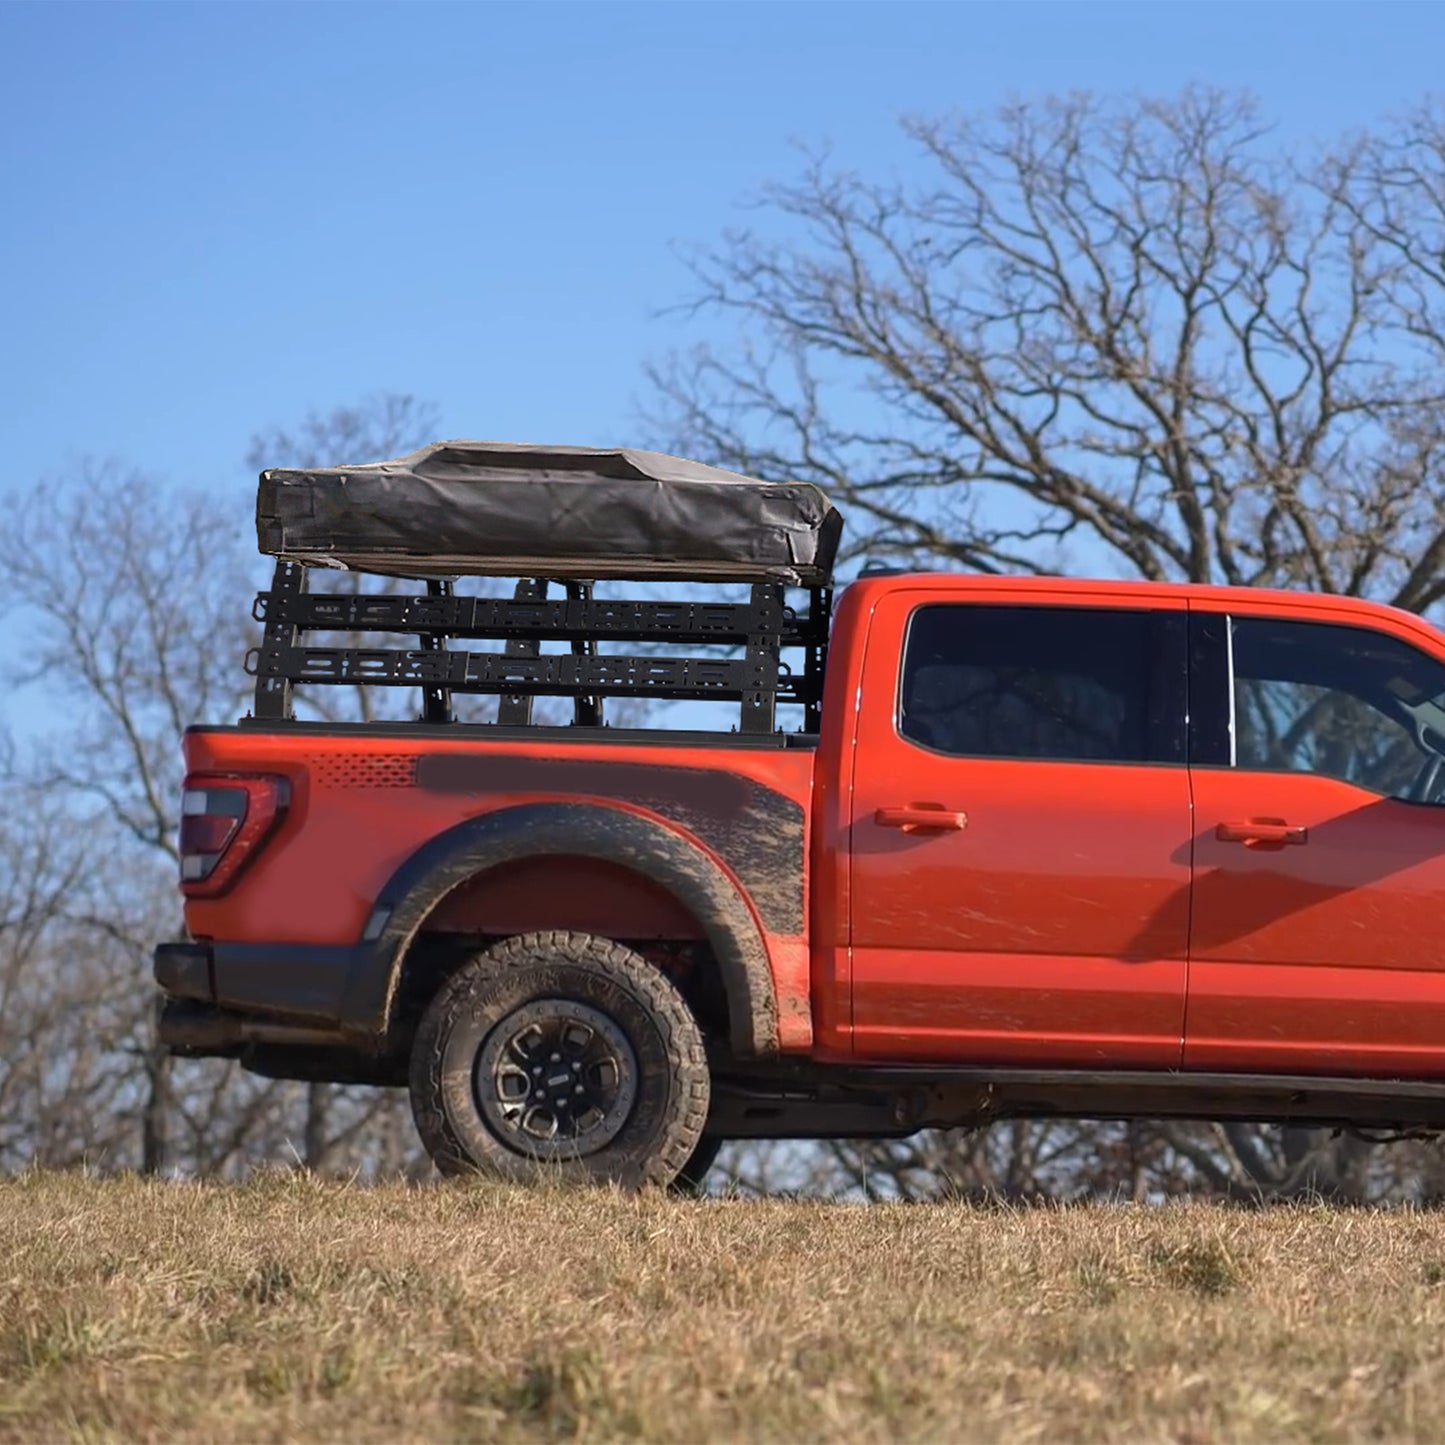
{"points": [[279, 612], [815, 655], [515, 709], [763, 658], [586, 711], [436, 701]]}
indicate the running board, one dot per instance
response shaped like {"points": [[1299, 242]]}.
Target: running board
{"points": [[820, 1102]]}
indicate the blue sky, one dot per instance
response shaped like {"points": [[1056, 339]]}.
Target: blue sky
{"points": [[216, 217]]}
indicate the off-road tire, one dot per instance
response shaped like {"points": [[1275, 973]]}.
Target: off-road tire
{"points": [[663, 1125]]}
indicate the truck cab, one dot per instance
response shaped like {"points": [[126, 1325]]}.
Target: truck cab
{"points": [[1099, 825]]}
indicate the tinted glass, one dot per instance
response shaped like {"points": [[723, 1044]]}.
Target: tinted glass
{"points": [[1343, 702], [1070, 684]]}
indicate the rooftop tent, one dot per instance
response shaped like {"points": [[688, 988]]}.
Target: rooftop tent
{"points": [[510, 509]]}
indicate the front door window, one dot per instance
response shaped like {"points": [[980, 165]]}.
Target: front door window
{"points": [[1339, 702]]}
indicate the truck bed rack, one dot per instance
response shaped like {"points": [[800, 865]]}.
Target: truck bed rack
{"points": [[758, 680]]}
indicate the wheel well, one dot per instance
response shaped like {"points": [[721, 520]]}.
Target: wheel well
{"points": [[573, 894], [577, 895]]}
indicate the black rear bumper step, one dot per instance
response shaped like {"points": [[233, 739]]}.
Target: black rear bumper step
{"points": [[302, 983]]}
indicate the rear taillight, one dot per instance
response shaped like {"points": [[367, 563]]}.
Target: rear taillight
{"points": [[224, 820]]}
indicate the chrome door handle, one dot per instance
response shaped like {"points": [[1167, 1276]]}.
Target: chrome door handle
{"points": [[920, 817]]}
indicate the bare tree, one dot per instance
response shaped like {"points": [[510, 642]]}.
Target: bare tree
{"points": [[1124, 336], [132, 600], [126, 597], [1097, 334], [67, 1001], [382, 426]]}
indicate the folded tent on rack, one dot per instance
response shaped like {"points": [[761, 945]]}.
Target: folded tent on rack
{"points": [[510, 509]]}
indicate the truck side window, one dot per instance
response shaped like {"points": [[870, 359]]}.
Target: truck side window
{"points": [[1060, 683], [1343, 702]]}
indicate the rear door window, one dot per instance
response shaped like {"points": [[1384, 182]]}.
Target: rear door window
{"points": [[1055, 683]]}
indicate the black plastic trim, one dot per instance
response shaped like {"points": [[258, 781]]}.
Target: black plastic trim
{"points": [[183, 970], [302, 981], [1211, 719], [299, 981], [953, 1096]]}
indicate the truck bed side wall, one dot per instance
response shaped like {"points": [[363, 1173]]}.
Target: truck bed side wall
{"points": [[364, 801]]}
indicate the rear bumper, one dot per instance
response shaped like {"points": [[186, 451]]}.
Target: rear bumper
{"points": [[297, 983], [183, 970]]}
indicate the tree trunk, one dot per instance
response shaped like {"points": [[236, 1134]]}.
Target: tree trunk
{"points": [[155, 1117], [315, 1145]]}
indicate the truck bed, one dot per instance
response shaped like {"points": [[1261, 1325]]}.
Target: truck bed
{"points": [[365, 802]]}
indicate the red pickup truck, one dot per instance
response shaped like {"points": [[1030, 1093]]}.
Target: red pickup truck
{"points": [[1041, 846]]}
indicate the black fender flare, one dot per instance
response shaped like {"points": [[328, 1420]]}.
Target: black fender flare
{"points": [[579, 830]]}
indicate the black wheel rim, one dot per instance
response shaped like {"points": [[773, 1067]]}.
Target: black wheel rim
{"points": [[556, 1079]]}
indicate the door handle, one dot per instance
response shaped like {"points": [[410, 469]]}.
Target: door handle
{"points": [[918, 817], [1262, 833]]}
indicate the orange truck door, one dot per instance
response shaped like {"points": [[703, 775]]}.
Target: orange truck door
{"points": [[1020, 829], [1320, 850]]}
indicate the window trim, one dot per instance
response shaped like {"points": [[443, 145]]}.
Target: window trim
{"points": [[1231, 713], [1211, 689]]}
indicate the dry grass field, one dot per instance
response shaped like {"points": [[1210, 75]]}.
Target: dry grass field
{"points": [[292, 1309]]}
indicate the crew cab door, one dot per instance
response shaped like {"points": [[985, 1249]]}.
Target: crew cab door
{"points": [[1020, 829], [1318, 939]]}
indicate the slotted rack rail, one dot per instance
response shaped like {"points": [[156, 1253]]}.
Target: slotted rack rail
{"points": [[758, 680]]}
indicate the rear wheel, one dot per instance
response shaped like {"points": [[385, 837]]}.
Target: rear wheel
{"points": [[561, 1054]]}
